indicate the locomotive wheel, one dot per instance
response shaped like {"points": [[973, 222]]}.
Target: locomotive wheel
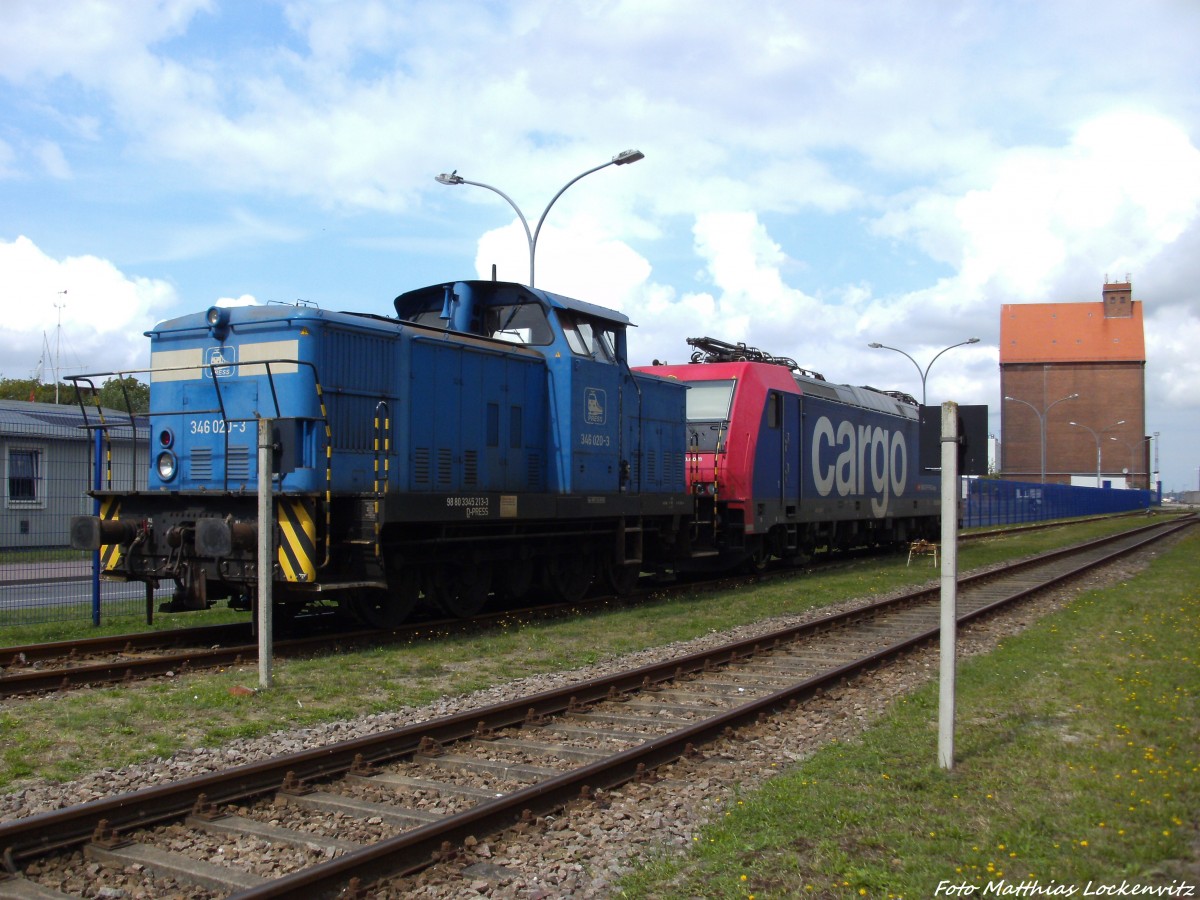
{"points": [[756, 562], [462, 592], [569, 576], [388, 608], [514, 579], [621, 580]]}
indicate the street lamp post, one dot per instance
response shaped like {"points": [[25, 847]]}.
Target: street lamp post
{"points": [[924, 373], [1041, 414], [1096, 437], [1133, 447], [1154, 483], [621, 159]]}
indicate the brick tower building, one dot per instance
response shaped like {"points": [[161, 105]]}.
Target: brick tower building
{"points": [[1074, 376]]}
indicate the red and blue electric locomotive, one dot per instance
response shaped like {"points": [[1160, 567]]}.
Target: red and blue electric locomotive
{"points": [[782, 462]]}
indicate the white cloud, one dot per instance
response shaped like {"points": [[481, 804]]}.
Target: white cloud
{"points": [[103, 311], [85, 40], [1125, 187], [1173, 335], [243, 300]]}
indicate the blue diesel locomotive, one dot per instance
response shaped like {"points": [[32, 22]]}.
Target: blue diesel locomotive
{"points": [[491, 438]]}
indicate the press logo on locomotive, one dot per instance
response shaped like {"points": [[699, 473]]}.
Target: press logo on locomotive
{"points": [[218, 357], [865, 451], [595, 406]]}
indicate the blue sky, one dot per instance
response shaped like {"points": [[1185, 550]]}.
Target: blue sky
{"points": [[818, 175]]}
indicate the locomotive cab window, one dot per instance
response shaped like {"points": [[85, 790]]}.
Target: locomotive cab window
{"points": [[589, 338], [518, 323]]}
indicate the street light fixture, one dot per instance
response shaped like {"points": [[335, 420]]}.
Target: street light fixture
{"points": [[1097, 439], [1042, 421], [624, 158], [874, 345]]}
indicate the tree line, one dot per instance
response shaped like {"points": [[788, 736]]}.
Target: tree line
{"points": [[113, 393]]}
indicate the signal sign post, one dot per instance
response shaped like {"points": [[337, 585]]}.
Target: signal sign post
{"points": [[266, 567], [949, 584]]}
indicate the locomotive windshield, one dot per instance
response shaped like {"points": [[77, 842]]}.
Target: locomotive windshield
{"points": [[516, 323], [708, 414], [589, 338], [708, 400]]}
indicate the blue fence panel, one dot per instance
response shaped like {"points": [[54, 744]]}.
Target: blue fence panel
{"points": [[990, 502]]}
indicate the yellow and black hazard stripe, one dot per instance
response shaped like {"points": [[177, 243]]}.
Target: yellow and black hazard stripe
{"points": [[328, 470], [382, 449], [110, 554], [298, 540]]}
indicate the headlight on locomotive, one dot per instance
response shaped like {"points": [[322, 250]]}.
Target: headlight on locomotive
{"points": [[167, 465]]}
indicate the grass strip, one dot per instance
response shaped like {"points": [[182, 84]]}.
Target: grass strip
{"points": [[1077, 771]]}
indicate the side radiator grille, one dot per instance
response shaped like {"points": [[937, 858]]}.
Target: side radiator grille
{"points": [[421, 466], [471, 468], [201, 458], [238, 465]]}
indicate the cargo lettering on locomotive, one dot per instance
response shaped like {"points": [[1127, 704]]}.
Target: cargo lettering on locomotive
{"points": [[866, 451]]}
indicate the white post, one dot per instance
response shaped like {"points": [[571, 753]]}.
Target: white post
{"points": [[266, 555], [949, 621]]}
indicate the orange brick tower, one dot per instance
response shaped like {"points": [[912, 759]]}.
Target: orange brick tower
{"points": [[1073, 380]]}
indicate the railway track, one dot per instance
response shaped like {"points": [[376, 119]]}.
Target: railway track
{"points": [[100, 661], [348, 814], [93, 662]]}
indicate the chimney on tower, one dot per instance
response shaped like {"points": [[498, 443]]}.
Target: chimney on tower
{"points": [[1118, 299]]}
